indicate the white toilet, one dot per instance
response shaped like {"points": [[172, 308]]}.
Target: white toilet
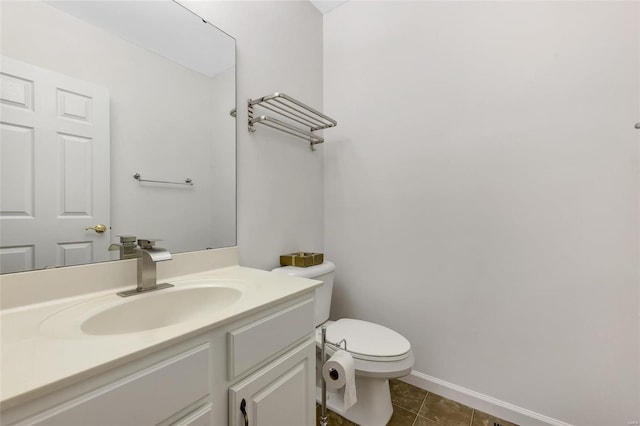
{"points": [[379, 353]]}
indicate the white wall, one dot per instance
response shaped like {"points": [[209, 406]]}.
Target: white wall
{"points": [[482, 194], [280, 181], [149, 132], [222, 198]]}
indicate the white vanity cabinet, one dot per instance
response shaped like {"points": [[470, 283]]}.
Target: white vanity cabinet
{"points": [[265, 357], [281, 393]]}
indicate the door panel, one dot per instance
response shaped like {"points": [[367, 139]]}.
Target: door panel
{"points": [[17, 258], [17, 170], [75, 177]]}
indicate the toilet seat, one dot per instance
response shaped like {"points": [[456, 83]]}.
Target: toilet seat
{"points": [[366, 341]]}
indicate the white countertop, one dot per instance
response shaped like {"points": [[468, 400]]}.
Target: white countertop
{"points": [[34, 363]]}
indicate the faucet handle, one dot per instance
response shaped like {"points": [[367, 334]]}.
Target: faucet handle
{"points": [[127, 238], [147, 243]]}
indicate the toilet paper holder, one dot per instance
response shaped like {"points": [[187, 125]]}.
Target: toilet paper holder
{"points": [[323, 414], [332, 372], [338, 345]]}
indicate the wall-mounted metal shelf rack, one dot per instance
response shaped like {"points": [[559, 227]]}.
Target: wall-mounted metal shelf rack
{"points": [[293, 117]]}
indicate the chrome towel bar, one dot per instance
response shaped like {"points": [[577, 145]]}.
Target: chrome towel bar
{"points": [[301, 119], [187, 181], [287, 128]]}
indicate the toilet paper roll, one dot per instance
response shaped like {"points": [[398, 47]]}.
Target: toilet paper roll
{"points": [[339, 371]]}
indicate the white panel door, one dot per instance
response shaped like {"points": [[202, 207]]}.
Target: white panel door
{"points": [[54, 168]]}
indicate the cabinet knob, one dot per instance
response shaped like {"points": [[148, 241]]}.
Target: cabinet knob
{"points": [[243, 409]]}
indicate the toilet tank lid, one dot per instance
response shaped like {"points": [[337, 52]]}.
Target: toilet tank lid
{"points": [[308, 272]]}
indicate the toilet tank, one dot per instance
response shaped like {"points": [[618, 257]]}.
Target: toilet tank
{"points": [[322, 272]]}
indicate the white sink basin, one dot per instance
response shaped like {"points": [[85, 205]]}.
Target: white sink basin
{"points": [[144, 312], [159, 310]]}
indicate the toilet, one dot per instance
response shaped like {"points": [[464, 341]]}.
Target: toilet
{"points": [[379, 353]]}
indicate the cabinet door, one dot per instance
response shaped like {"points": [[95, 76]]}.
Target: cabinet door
{"points": [[145, 398], [201, 417], [280, 394]]}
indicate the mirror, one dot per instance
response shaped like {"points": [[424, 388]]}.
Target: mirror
{"points": [[94, 93]]}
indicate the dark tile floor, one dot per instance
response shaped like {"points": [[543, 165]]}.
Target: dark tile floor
{"points": [[413, 406]]}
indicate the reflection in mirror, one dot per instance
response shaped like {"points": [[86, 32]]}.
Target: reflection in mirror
{"points": [[93, 93]]}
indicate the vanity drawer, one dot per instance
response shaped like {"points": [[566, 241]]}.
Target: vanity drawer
{"points": [[250, 345], [175, 384]]}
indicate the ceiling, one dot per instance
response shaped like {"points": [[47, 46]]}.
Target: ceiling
{"points": [[325, 6]]}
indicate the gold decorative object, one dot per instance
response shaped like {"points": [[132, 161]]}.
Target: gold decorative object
{"points": [[301, 259]]}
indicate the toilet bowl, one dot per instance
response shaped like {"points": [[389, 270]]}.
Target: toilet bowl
{"points": [[379, 353]]}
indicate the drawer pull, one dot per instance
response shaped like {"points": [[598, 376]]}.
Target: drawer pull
{"points": [[243, 409]]}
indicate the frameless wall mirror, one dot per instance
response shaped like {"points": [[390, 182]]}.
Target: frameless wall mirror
{"points": [[94, 93]]}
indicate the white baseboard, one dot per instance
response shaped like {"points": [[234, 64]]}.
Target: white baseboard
{"points": [[489, 405]]}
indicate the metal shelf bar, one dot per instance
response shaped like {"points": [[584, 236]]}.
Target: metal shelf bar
{"points": [[287, 128], [294, 115], [295, 112], [187, 181]]}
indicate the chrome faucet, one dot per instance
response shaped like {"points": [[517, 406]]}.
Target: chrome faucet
{"points": [[149, 256]]}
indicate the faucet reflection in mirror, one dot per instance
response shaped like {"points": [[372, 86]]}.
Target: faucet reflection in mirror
{"points": [[126, 248], [142, 95]]}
